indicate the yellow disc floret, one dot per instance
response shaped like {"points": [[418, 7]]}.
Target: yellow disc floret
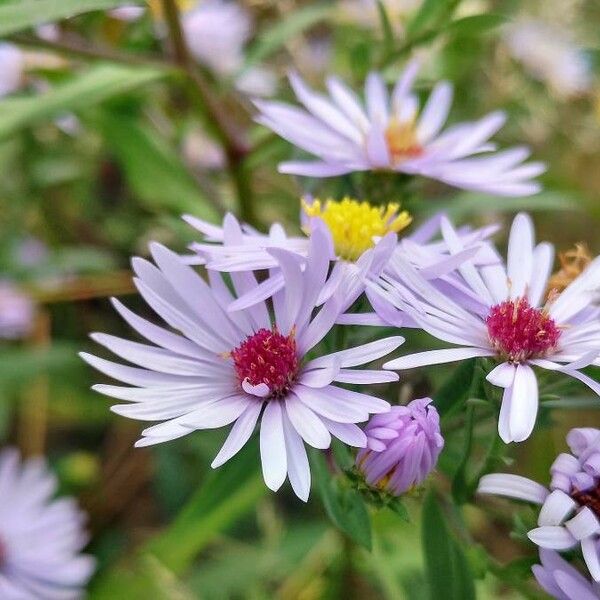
{"points": [[354, 224], [402, 141]]}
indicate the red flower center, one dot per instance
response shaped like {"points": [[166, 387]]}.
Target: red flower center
{"points": [[589, 498], [267, 357], [519, 331]]}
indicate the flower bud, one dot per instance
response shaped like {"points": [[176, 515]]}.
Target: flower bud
{"points": [[403, 447]]}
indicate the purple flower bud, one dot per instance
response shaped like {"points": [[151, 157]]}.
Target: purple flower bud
{"points": [[17, 312], [403, 446]]}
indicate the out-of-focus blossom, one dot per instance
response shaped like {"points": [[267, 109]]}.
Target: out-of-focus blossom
{"points": [[48, 31], [312, 55], [225, 368], [12, 67], [391, 134], [504, 313], [216, 32], [570, 509], [128, 14], [403, 447], [31, 252], [549, 55], [17, 312], [561, 580], [40, 538], [200, 151]]}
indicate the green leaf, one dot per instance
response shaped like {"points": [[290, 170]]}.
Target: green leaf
{"points": [[456, 388], [448, 571], [18, 15], [431, 15], [343, 504], [275, 36], [153, 168], [87, 89], [386, 26], [476, 24]]}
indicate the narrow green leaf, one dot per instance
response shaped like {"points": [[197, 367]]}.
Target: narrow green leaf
{"points": [[16, 16], [432, 14], [87, 89], [153, 168], [386, 26], [273, 38], [343, 504], [448, 571], [476, 24]]}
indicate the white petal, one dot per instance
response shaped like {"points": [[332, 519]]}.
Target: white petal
{"points": [[524, 403], [556, 508], [273, 452], [503, 375], [513, 486], [307, 423], [583, 524], [553, 538], [589, 549], [297, 461], [239, 434], [435, 357], [520, 254]]}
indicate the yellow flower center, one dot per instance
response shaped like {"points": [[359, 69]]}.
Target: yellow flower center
{"points": [[157, 10], [354, 224], [402, 141]]}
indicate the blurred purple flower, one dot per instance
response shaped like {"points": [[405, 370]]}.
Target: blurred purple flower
{"points": [[12, 67], [40, 538], [563, 581], [504, 312], [17, 312], [390, 134], [226, 367], [403, 447], [570, 509]]}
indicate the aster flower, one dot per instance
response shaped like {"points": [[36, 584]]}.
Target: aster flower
{"points": [[17, 312], [403, 447], [364, 239], [549, 55], [561, 580], [570, 509], [40, 538], [223, 368], [390, 134], [507, 317], [12, 67], [128, 13]]}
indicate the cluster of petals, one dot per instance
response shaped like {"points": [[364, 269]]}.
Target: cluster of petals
{"points": [[503, 312], [403, 447], [41, 538], [199, 371], [562, 580], [570, 508], [389, 133]]}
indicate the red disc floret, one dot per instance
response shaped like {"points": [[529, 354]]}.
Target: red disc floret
{"points": [[519, 331], [267, 357]]}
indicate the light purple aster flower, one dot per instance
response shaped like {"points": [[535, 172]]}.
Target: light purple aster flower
{"points": [[570, 509], [40, 538], [235, 247], [389, 133], [507, 317], [563, 581], [220, 368], [403, 447], [17, 312]]}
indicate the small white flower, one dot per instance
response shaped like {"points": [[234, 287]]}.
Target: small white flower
{"points": [[12, 66]]}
